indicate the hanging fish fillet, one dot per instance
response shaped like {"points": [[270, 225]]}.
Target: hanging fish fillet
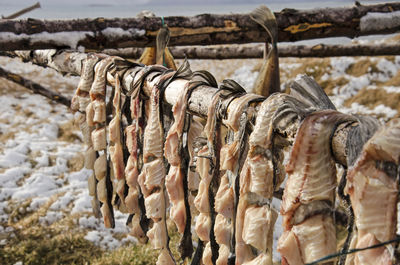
{"points": [[151, 179], [80, 101], [261, 174], [173, 151], [373, 188], [96, 114], [230, 159], [115, 148], [207, 166], [309, 194], [308, 241]]}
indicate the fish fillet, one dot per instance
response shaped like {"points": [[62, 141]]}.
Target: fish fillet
{"points": [[308, 241], [373, 188]]}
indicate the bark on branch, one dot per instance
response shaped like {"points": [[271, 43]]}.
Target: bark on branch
{"points": [[256, 52], [206, 29], [200, 99], [35, 87], [22, 11]]}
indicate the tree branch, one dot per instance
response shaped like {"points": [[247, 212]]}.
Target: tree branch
{"points": [[256, 52], [35, 87], [23, 11], [206, 29]]}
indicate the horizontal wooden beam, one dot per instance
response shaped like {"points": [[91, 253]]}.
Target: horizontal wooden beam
{"points": [[257, 51], [201, 97], [205, 29]]}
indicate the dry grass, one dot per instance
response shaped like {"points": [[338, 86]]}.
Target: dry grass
{"points": [[374, 97]]}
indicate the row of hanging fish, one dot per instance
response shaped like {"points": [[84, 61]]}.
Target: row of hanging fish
{"points": [[215, 176]]}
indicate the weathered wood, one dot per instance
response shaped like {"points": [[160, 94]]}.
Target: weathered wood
{"points": [[206, 29], [257, 51], [35, 87], [201, 97], [22, 11]]}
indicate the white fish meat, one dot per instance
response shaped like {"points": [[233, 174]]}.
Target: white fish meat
{"points": [[99, 109], [90, 158], [136, 229], [99, 139], [224, 198], [222, 230], [261, 180], [158, 235], [258, 221], [311, 168], [100, 167], [207, 254], [373, 188], [117, 159], [154, 176], [203, 226], [153, 134], [223, 255], [174, 186], [155, 205], [308, 241]]}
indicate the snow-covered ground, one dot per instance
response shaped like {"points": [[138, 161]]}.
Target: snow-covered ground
{"points": [[40, 149]]}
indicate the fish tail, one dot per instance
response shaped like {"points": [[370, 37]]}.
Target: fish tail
{"points": [[162, 42], [266, 18]]}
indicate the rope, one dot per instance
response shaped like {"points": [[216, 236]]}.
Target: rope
{"points": [[351, 251]]}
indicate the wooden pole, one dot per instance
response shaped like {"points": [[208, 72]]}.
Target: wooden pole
{"points": [[23, 11], [35, 87], [206, 29], [256, 51], [201, 97]]}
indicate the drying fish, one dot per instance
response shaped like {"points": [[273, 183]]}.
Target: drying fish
{"points": [[207, 166], [96, 114], [309, 194], [164, 56], [160, 54], [175, 150], [152, 177], [80, 102], [268, 81], [372, 184], [261, 175], [231, 156], [148, 56], [115, 147]]}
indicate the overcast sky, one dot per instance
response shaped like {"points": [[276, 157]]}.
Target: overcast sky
{"points": [[129, 2]]}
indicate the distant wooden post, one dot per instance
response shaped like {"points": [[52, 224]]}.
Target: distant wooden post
{"points": [[23, 11]]}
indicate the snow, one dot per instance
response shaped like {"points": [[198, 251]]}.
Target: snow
{"points": [[117, 33], [70, 38]]}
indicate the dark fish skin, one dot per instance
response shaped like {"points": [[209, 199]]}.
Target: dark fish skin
{"points": [[268, 80]]}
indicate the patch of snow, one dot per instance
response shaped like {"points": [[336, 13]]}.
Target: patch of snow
{"points": [[82, 203], [50, 217], [339, 66], [70, 38], [118, 33], [245, 77], [62, 202], [37, 184], [388, 68], [381, 109]]}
